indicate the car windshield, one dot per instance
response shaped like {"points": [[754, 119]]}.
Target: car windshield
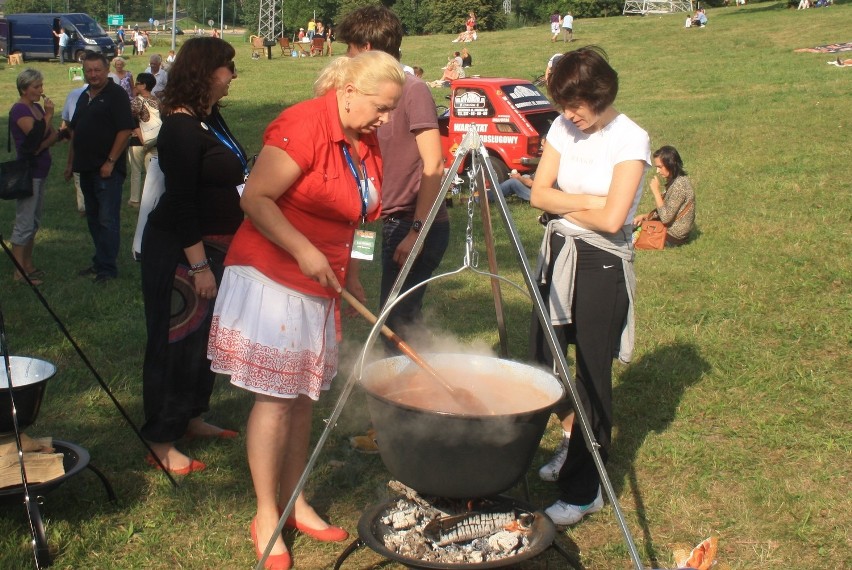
{"points": [[85, 26], [525, 97]]}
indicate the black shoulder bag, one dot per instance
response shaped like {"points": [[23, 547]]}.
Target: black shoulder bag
{"points": [[16, 180]]}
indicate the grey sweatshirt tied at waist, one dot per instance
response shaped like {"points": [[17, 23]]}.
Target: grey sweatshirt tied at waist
{"points": [[565, 269]]}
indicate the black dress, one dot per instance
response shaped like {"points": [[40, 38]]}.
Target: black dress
{"points": [[200, 203]]}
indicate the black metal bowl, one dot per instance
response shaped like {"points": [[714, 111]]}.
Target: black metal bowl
{"points": [[29, 380], [459, 455]]}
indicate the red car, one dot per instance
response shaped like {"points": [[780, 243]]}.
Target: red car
{"points": [[511, 116]]}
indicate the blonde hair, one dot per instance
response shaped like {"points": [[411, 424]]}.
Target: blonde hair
{"points": [[366, 71]]}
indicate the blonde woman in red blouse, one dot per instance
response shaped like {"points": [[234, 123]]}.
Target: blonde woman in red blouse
{"points": [[275, 327]]}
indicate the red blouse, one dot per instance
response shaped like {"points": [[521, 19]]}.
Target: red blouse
{"points": [[324, 203]]}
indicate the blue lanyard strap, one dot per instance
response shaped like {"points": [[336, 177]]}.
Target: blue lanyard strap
{"points": [[226, 140], [363, 189]]}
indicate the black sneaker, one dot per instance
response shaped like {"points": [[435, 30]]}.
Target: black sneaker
{"points": [[89, 271], [103, 279]]}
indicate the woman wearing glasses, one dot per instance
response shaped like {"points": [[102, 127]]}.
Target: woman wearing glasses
{"points": [[184, 245]]}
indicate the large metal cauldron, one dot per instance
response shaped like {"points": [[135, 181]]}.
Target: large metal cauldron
{"points": [[456, 455], [29, 378]]}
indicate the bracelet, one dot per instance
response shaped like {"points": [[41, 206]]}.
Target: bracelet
{"points": [[193, 272], [201, 264]]}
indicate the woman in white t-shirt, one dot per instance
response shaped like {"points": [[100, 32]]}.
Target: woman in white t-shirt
{"points": [[589, 184]]}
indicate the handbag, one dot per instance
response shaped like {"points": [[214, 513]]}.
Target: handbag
{"points": [[16, 182], [151, 128], [155, 186], [652, 235]]}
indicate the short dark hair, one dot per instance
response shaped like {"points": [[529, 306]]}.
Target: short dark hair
{"points": [[146, 79], [670, 158], [583, 76], [377, 26], [94, 55], [191, 73]]}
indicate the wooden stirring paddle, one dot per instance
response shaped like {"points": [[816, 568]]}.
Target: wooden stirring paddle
{"points": [[463, 396]]}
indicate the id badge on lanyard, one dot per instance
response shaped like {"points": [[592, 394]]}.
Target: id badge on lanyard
{"points": [[231, 145], [364, 241]]}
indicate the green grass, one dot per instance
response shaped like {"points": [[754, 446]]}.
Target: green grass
{"points": [[730, 421]]}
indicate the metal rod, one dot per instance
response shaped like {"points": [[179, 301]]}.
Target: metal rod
{"points": [[87, 362]]}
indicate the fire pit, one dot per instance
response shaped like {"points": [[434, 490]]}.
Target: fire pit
{"points": [[449, 534]]}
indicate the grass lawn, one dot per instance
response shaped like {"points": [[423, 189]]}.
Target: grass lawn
{"points": [[730, 420]]}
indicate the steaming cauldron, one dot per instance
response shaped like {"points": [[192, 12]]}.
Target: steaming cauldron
{"points": [[29, 378], [459, 455]]}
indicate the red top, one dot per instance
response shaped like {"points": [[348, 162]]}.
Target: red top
{"points": [[324, 203]]}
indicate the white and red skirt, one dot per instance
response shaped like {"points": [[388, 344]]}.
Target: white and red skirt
{"points": [[271, 339]]}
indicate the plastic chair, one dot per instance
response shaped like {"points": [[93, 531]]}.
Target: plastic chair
{"points": [[74, 72]]}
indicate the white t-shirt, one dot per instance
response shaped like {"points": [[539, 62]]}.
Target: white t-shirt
{"points": [[568, 22], [162, 78], [587, 161]]}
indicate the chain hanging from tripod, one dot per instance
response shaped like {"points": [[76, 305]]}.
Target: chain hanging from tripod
{"points": [[474, 173]]}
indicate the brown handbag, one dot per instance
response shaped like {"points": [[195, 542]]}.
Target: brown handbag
{"points": [[652, 235]]}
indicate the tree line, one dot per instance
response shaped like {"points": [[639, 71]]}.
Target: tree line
{"points": [[418, 16]]}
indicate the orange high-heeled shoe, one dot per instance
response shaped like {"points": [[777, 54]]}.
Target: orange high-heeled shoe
{"points": [[274, 561]]}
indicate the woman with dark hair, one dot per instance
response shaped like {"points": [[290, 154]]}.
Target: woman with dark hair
{"points": [[184, 246], [676, 206], [145, 108], [275, 329], [33, 134], [589, 181]]}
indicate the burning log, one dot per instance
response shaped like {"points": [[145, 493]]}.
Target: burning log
{"points": [[453, 532], [466, 527]]}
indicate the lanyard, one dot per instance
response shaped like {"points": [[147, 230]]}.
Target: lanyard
{"points": [[226, 140], [363, 189]]}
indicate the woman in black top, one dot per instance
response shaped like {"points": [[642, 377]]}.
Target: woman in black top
{"points": [[184, 246]]}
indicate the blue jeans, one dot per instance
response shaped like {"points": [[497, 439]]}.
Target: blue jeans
{"points": [[394, 230], [103, 215], [516, 187]]}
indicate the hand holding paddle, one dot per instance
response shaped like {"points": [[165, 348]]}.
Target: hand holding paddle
{"points": [[464, 396]]}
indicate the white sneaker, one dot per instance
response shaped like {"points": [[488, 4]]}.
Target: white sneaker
{"points": [[550, 470], [563, 514]]}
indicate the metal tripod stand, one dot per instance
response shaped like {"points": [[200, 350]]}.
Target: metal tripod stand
{"points": [[481, 167]]}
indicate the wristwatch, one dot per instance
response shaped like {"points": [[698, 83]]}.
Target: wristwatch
{"points": [[417, 226]]}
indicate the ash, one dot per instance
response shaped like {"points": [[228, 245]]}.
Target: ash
{"points": [[454, 532]]}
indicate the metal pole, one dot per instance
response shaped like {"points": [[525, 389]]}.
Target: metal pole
{"points": [[174, 23], [221, 17]]}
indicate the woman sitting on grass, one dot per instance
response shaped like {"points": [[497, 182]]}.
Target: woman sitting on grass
{"points": [[451, 73], [676, 206]]}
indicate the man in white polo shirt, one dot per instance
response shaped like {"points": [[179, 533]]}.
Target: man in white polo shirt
{"points": [[160, 74]]}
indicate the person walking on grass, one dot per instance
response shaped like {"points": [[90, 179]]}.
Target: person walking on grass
{"points": [[568, 28]]}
